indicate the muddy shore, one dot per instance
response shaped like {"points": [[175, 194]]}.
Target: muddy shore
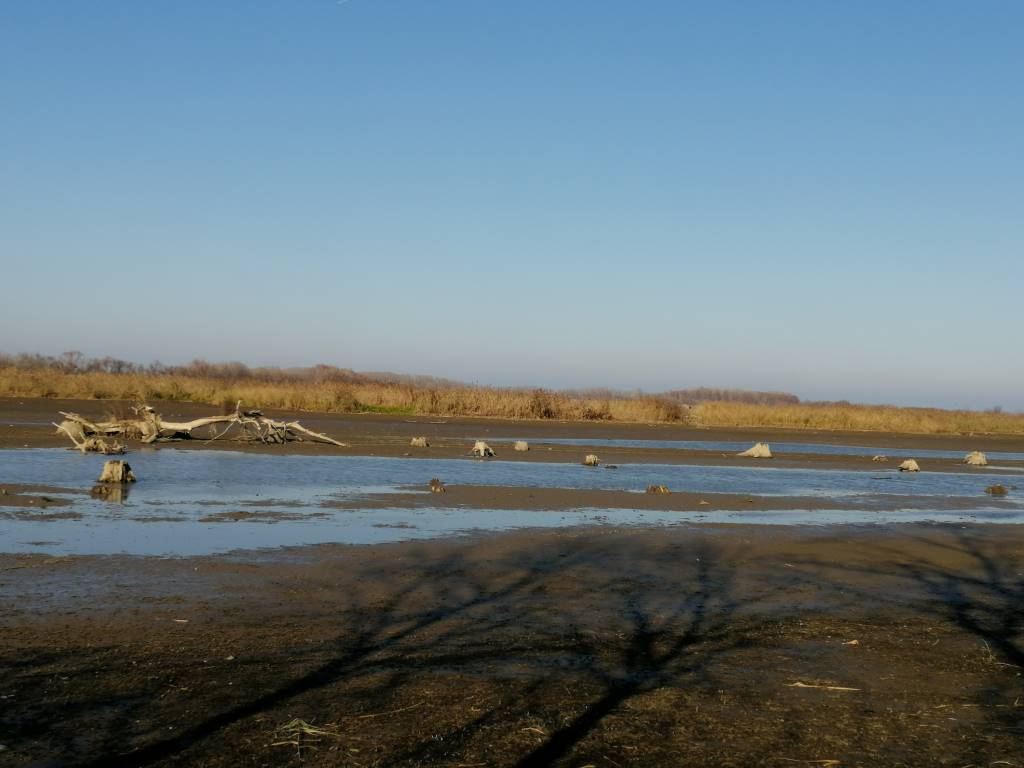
{"points": [[534, 498], [704, 645], [683, 645], [26, 423]]}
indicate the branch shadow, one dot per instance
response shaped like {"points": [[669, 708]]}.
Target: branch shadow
{"points": [[626, 620]]}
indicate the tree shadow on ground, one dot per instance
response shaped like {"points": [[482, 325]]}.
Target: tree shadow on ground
{"points": [[959, 578], [620, 620]]}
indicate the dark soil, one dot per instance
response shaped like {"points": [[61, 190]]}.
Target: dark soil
{"points": [[724, 646]]}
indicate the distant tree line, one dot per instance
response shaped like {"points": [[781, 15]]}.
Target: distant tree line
{"points": [[233, 371], [714, 395], [76, 362]]}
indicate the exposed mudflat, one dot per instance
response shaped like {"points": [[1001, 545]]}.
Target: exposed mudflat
{"points": [[26, 423], [529, 497], [697, 646], [595, 625]]}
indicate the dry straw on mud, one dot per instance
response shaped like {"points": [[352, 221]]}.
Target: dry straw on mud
{"points": [[302, 735]]}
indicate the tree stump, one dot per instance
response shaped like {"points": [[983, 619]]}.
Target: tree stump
{"points": [[116, 472]]}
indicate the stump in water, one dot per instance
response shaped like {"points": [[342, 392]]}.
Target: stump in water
{"points": [[116, 472], [757, 451], [976, 459]]}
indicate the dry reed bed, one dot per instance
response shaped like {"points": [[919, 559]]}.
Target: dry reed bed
{"points": [[498, 403]]}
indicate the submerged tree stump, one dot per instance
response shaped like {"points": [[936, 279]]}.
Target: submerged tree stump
{"points": [[757, 451], [116, 472], [976, 459]]}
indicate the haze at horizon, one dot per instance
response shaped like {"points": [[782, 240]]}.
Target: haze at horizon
{"points": [[825, 200]]}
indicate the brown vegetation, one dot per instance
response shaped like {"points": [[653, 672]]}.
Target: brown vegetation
{"points": [[320, 389], [336, 390]]}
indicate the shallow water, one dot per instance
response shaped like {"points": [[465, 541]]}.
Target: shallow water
{"points": [[164, 512], [779, 449]]}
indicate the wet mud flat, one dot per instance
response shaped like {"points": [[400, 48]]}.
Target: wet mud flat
{"points": [[692, 645]]}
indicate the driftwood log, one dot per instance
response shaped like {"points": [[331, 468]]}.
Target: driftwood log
{"points": [[86, 444], [149, 427]]}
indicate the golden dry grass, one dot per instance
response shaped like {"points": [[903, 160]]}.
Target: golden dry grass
{"points": [[333, 397], [843, 417]]}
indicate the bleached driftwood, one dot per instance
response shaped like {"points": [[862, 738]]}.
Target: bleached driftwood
{"points": [[149, 427], [757, 451], [85, 444]]}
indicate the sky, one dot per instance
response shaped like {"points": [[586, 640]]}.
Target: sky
{"points": [[819, 197]]}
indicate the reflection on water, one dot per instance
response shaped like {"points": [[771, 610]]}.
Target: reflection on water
{"points": [[269, 500]]}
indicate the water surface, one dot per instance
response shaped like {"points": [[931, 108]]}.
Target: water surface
{"points": [[183, 500]]}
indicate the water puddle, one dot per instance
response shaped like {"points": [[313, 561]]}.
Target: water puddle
{"points": [[202, 502]]}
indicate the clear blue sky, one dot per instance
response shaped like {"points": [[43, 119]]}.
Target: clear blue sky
{"points": [[820, 197]]}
